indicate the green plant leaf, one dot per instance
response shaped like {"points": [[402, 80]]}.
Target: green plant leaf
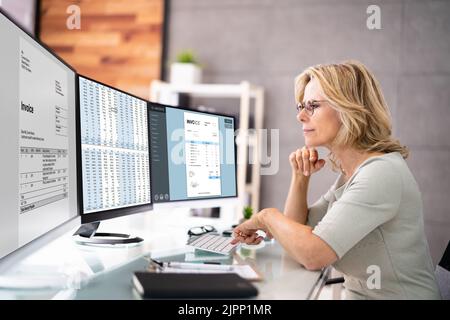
{"points": [[186, 56], [248, 211]]}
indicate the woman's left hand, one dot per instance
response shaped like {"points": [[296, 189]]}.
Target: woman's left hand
{"points": [[246, 231]]}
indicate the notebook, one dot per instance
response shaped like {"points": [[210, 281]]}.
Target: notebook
{"points": [[197, 285]]}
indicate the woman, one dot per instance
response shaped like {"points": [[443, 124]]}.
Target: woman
{"points": [[369, 225]]}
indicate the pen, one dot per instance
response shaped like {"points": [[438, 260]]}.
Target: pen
{"points": [[159, 264], [203, 266]]}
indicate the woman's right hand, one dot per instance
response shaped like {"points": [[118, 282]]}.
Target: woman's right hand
{"points": [[305, 161]]}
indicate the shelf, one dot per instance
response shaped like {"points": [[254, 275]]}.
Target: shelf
{"points": [[208, 90]]}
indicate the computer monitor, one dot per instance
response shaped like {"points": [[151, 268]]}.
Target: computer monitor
{"points": [[38, 186], [193, 154], [114, 156]]}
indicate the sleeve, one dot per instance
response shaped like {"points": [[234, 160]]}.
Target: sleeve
{"points": [[371, 199], [318, 210]]}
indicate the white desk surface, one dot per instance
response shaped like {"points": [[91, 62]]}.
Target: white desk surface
{"points": [[77, 270]]}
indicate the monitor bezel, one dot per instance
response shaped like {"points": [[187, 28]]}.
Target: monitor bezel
{"points": [[235, 155], [111, 213]]}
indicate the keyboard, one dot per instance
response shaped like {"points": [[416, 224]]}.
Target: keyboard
{"points": [[213, 243]]}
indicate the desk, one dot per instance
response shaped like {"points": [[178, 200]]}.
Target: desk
{"points": [[105, 272]]}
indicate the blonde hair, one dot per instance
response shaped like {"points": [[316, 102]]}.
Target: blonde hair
{"points": [[352, 90]]}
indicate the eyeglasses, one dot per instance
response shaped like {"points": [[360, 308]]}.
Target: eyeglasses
{"points": [[198, 231], [309, 106]]}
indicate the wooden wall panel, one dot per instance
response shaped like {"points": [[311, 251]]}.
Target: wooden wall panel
{"points": [[119, 42]]}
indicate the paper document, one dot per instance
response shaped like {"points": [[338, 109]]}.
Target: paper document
{"points": [[200, 255], [245, 271]]}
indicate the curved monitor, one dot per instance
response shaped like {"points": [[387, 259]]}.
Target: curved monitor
{"points": [[193, 154], [114, 152], [38, 186]]}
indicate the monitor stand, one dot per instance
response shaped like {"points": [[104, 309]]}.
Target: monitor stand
{"points": [[213, 212], [88, 235]]}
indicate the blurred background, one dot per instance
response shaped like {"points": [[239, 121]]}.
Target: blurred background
{"points": [[128, 44]]}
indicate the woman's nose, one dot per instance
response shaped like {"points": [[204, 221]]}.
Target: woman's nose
{"points": [[301, 116]]}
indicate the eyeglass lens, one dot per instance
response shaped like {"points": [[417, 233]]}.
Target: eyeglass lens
{"points": [[308, 106]]}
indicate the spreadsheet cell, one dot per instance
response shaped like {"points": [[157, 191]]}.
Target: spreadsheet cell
{"points": [[115, 148]]}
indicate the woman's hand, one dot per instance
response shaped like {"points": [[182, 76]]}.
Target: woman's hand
{"points": [[305, 161], [246, 231]]}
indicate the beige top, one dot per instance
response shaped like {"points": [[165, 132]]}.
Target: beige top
{"points": [[374, 223]]}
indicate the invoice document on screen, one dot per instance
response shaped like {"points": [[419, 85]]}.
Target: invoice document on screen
{"points": [[202, 150]]}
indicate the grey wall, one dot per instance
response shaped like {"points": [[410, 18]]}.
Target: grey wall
{"points": [[270, 42]]}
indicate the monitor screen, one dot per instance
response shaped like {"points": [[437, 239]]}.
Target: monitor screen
{"points": [[193, 154], [37, 138], [115, 159]]}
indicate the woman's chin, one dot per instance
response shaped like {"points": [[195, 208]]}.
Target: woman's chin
{"points": [[311, 143]]}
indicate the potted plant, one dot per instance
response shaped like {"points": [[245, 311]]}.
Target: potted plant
{"points": [[186, 69], [247, 213]]}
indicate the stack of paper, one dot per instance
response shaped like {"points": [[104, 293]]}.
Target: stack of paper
{"points": [[245, 271]]}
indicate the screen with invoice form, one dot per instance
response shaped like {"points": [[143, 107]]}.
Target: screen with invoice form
{"points": [[192, 154], [114, 148], [37, 138]]}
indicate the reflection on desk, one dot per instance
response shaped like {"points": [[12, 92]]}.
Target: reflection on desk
{"points": [[106, 273], [283, 277]]}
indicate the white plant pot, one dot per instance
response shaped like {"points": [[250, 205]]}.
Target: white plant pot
{"points": [[185, 73]]}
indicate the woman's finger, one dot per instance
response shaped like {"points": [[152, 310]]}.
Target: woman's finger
{"points": [[298, 158], [319, 164], [313, 155], [293, 161], [251, 239], [242, 232], [237, 239], [257, 241], [305, 158], [237, 233]]}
